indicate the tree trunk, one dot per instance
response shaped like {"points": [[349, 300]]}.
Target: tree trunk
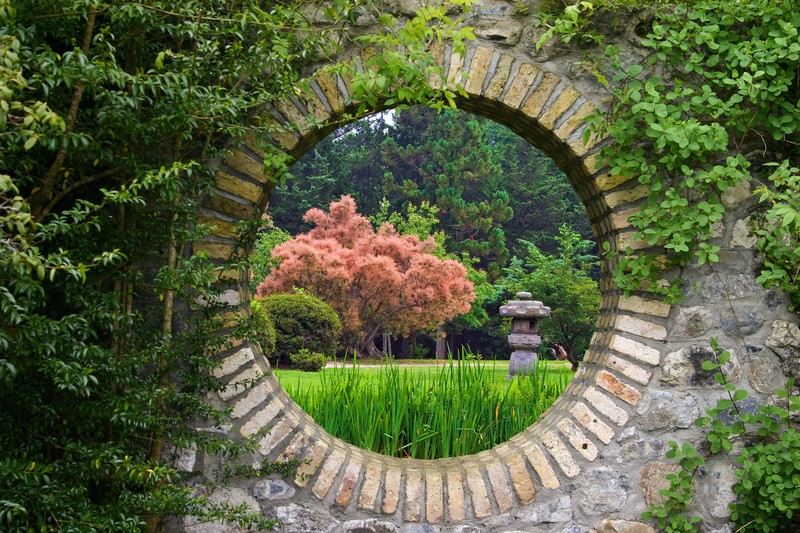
{"points": [[441, 343]]}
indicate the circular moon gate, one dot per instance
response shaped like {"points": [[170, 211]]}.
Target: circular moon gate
{"points": [[595, 453]]}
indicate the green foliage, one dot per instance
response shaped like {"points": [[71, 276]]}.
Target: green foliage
{"points": [[261, 261], [264, 328], [768, 497], [712, 108], [308, 361], [301, 321], [452, 410]]}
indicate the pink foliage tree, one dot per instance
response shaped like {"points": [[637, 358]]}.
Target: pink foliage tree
{"points": [[377, 281]]}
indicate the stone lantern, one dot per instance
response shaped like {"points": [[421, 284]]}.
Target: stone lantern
{"points": [[524, 336]]}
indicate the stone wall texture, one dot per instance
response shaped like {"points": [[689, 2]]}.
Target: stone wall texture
{"points": [[595, 460]]}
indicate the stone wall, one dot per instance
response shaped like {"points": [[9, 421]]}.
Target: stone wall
{"points": [[595, 460]]}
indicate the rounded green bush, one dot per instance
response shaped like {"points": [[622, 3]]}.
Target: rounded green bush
{"points": [[302, 321], [309, 361], [264, 328]]}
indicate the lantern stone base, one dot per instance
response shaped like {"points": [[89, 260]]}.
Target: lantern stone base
{"points": [[522, 362]]}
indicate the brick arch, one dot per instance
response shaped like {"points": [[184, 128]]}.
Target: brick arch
{"points": [[571, 438]]}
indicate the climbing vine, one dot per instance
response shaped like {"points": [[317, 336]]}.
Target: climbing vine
{"points": [[713, 107]]}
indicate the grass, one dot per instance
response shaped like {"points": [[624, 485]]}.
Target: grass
{"points": [[426, 412]]}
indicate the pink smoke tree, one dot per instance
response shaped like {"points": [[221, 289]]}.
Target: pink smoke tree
{"points": [[378, 281]]}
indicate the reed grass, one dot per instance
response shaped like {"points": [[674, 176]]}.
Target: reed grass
{"points": [[451, 410]]}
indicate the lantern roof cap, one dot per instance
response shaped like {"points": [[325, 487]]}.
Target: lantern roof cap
{"points": [[524, 307]]}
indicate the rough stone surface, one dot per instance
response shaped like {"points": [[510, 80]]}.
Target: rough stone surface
{"points": [[273, 489], [624, 526], [716, 493], [692, 322], [784, 340], [741, 237], [302, 519], [371, 525], [685, 367], [555, 511], [653, 479], [743, 323], [604, 491], [665, 410], [764, 372]]}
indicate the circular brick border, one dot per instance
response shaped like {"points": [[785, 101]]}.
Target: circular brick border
{"points": [[548, 111]]}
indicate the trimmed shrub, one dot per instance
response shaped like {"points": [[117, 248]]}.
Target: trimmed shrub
{"points": [[309, 361], [263, 328], [302, 321]]}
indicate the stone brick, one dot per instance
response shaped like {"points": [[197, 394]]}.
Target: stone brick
{"points": [[455, 496], [637, 304], [550, 116], [275, 435], [328, 473], [412, 507], [371, 486], [520, 84], [634, 372], [521, 479], [543, 469], [219, 226], [624, 526], [215, 250], [255, 397], [623, 391], [480, 498], [642, 328], [296, 445], [606, 406], [500, 77], [478, 68], [634, 349], [237, 186], [500, 489], [233, 362], [456, 73], [594, 163], [309, 464], [561, 455], [229, 204], [345, 492], [330, 89], [588, 420], [245, 164], [535, 102], [654, 480], [391, 495], [575, 121], [315, 106], [434, 497], [618, 198], [262, 418], [240, 383], [578, 440], [619, 220], [628, 240], [293, 115]]}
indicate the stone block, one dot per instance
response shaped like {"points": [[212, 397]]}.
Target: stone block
{"points": [[328, 473], [310, 462], [742, 236], [606, 406], [561, 455], [412, 506], [624, 526], [663, 410], [784, 340], [478, 69], [590, 421], [371, 486], [692, 322], [456, 73], [556, 511], [500, 488], [500, 77], [521, 479], [262, 418], [273, 489], [434, 497], [481, 506], [535, 102], [578, 440], [349, 480], [275, 435], [635, 349], [653, 479], [391, 495], [642, 328], [628, 369], [604, 491], [520, 84], [232, 363], [550, 116], [685, 367], [575, 121], [626, 196], [623, 391], [455, 496], [742, 321], [638, 304]]}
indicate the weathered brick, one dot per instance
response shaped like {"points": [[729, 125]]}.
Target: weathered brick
{"points": [[543, 469], [478, 68], [412, 507], [278, 432], [262, 418], [237, 186], [619, 220], [480, 498], [606, 406], [293, 115], [345, 492], [500, 488], [233, 362], [330, 88], [520, 85], [594, 163], [229, 204], [578, 440], [215, 250], [315, 106], [561, 455], [296, 445], [556, 110], [535, 102], [628, 239], [371, 486], [391, 494], [309, 464], [245, 164], [436, 51], [623, 391], [219, 226], [523, 483], [456, 72], [575, 121], [255, 397], [637, 304], [434, 497], [328, 473], [634, 349], [240, 383], [455, 496], [640, 327], [617, 198], [500, 77], [634, 372], [588, 420]]}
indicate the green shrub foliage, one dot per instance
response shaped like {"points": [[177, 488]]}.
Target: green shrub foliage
{"points": [[302, 321], [308, 361], [263, 328]]}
